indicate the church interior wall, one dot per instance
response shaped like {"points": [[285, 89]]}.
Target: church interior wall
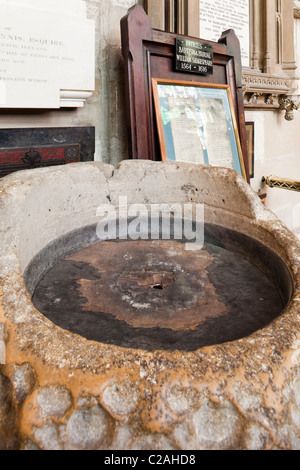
{"points": [[277, 152], [104, 110]]}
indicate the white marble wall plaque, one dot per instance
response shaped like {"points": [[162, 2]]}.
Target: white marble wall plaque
{"points": [[67, 7], [47, 54], [219, 15]]}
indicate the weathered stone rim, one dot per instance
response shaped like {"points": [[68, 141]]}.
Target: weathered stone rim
{"points": [[18, 290]]}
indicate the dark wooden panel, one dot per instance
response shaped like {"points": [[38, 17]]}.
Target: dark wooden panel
{"points": [[150, 53], [22, 149], [15, 159]]}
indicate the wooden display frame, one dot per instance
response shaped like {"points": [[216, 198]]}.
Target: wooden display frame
{"points": [[150, 53], [196, 124], [250, 142]]}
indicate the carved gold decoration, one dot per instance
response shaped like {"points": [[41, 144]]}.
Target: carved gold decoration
{"points": [[283, 183]]}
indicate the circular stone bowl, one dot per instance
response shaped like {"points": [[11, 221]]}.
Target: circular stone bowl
{"points": [[69, 390]]}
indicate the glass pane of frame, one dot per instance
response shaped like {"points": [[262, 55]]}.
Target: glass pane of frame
{"points": [[196, 124]]}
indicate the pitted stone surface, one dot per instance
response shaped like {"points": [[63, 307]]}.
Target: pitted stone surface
{"points": [[296, 388], [47, 436], [242, 394], [54, 401], [184, 437], [30, 445], [217, 426], [256, 437], [87, 401], [121, 399], [249, 400], [8, 429], [181, 400], [2, 351], [86, 428], [154, 442], [124, 436], [23, 380], [295, 413]]}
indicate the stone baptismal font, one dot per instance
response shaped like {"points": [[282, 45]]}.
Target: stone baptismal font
{"points": [[146, 340]]}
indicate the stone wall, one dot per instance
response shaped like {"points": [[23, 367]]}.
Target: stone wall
{"points": [[105, 109], [277, 153], [108, 102]]}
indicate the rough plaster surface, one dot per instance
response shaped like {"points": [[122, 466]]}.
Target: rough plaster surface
{"points": [[60, 391]]}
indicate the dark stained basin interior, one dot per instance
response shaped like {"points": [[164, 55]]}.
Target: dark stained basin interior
{"points": [[152, 295]]}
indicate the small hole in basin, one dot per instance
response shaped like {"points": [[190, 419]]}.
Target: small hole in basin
{"points": [[157, 287]]}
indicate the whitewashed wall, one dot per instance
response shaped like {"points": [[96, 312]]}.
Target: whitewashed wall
{"points": [[277, 152]]}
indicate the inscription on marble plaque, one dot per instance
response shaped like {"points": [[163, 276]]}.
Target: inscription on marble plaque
{"points": [[47, 55], [193, 56], [220, 15]]}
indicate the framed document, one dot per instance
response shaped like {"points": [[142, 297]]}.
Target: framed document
{"points": [[196, 124]]}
